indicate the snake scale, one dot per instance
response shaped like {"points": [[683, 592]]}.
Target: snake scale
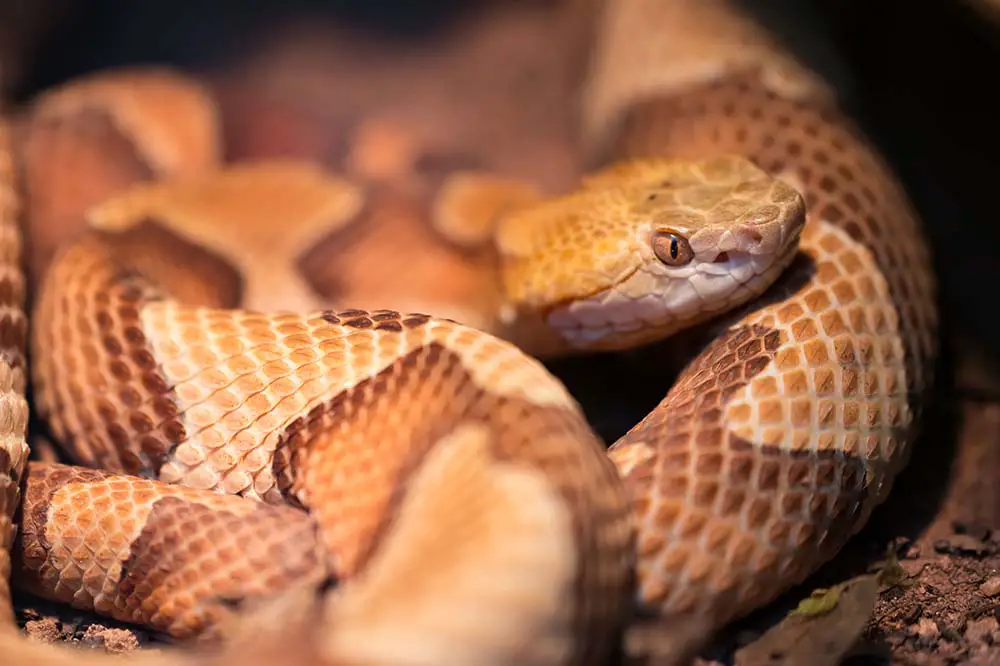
{"points": [[460, 509]]}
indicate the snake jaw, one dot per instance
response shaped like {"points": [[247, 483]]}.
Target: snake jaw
{"points": [[589, 271], [650, 301]]}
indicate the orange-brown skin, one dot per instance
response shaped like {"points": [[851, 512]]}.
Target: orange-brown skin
{"points": [[823, 380], [771, 449], [13, 370], [340, 412], [124, 562]]}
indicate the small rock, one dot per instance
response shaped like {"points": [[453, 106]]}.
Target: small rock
{"points": [[967, 544], [979, 532], [942, 546], [981, 630], [913, 614], [46, 629], [991, 587], [115, 641], [926, 630], [913, 552]]}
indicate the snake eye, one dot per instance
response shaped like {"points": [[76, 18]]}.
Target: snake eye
{"points": [[671, 248]]}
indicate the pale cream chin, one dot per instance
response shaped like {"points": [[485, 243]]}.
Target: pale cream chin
{"points": [[640, 311], [652, 304]]}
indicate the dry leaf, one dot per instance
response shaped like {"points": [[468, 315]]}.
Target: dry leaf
{"points": [[823, 639]]}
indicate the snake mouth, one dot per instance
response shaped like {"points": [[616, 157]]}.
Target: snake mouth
{"points": [[745, 266], [591, 294], [726, 261]]}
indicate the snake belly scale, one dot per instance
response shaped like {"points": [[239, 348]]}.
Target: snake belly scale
{"points": [[419, 490]]}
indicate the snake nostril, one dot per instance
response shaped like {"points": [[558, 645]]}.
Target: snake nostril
{"points": [[722, 258]]}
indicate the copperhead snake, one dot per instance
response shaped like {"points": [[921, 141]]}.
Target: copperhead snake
{"points": [[458, 502]]}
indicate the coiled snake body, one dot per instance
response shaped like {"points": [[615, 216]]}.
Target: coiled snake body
{"points": [[456, 495]]}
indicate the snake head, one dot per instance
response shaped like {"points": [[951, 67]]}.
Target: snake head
{"points": [[645, 248]]}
